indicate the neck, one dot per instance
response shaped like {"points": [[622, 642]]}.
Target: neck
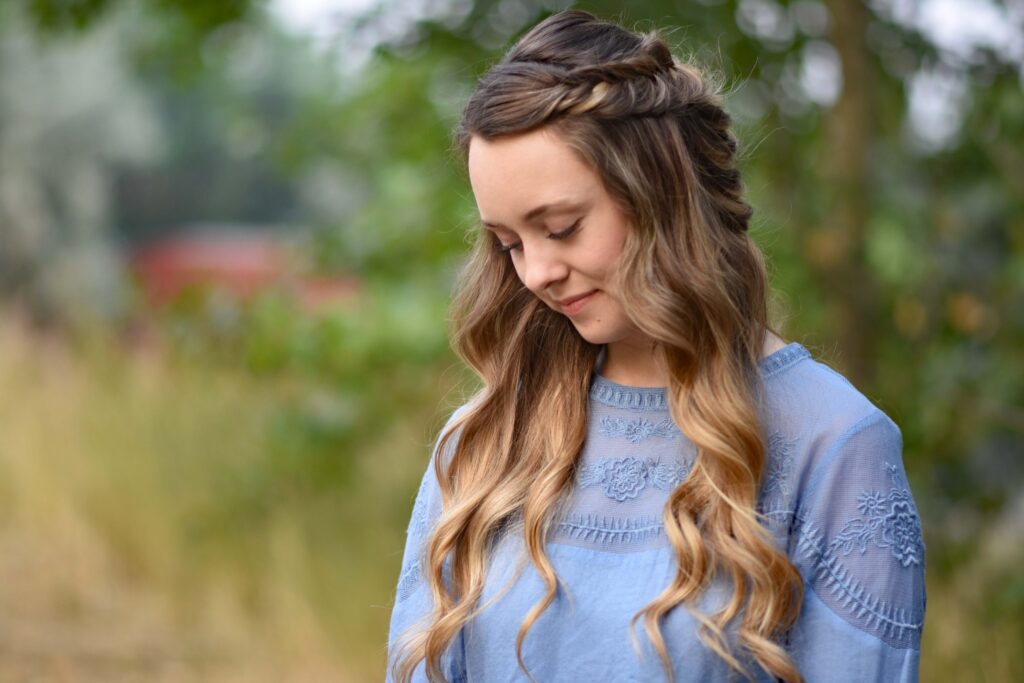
{"points": [[635, 364]]}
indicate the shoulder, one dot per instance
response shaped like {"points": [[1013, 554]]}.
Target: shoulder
{"points": [[452, 429], [806, 392], [815, 418], [428, 497]]}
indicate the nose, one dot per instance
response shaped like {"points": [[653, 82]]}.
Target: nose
{"points": [[541, 268]]}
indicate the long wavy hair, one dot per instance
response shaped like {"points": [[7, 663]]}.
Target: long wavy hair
{"points": [[654, 130]]}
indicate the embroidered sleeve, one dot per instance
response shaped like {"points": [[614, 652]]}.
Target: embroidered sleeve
{"points": [[413, 600], [857, 542]]}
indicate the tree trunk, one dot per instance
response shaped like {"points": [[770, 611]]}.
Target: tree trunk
{"points": [[837, 249]]}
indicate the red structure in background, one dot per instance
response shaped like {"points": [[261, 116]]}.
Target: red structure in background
{"points": [[241, 263]]}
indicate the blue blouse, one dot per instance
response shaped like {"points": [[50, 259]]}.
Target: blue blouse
{"points": [[834, 495]]}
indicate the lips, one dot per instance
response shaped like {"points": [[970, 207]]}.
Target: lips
{"points": [[573, 304], [573, 299]]}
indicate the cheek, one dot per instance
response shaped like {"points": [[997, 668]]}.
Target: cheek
{"points": [[517, 266], [603, 262], [605, 253]]}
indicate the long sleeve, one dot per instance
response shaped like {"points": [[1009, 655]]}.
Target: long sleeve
{"points": [[857, 543], [413, 600]]}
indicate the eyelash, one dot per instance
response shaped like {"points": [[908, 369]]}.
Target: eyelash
{"points": [[504, 249]]}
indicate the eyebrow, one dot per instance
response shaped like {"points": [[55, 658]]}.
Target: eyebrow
{"points": [[563, 205]]}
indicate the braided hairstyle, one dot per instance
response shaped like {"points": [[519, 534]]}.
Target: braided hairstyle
{"points": [[655, 132]]}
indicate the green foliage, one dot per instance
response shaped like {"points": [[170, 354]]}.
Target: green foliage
{"points": [[77, 15], [64, 14]]}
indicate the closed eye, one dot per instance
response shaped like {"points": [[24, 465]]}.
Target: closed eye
{"points": [[506, 248], [568, 231]]}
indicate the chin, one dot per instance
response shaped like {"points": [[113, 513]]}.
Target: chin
{"points": [[596, 336], [592, 339], [609, 329]]}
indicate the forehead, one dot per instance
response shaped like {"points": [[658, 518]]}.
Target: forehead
{"points": [[513, 174]]}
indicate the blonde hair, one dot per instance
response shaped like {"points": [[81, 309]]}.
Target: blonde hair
{"points": [[655, 132]]}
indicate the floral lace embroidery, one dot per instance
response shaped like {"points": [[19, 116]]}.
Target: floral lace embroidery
{"points": [[408, 582], [625, 478], [780, 467], [637, 430], [898, 625], [888, 520], [418, 523]]}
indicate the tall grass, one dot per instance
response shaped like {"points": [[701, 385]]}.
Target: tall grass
{"points": [[164, 486]]}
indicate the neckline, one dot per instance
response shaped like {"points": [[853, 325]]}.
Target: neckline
{"points": [[612, 393]]}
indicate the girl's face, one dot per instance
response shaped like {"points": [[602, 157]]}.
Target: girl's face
{"points": [[561, 229]]}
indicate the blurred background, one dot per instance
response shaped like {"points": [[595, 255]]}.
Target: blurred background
{"points": [[228, 235]]}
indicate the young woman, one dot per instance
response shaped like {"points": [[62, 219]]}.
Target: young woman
{"points": [[644, 451]]}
